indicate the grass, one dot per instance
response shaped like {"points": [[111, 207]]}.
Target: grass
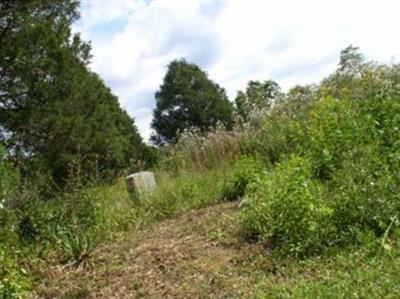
{"points": [[181, 242], [65, 232], [176, 258], [350, 274], [203, 251]]}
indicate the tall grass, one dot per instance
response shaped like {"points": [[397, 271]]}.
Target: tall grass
{"points": [[67, 228], [196, 151]]}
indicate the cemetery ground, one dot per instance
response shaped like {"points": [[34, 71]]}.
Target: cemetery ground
{"points": [[199, 254], [202, 253]]}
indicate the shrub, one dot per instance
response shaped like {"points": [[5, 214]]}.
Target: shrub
{"points": [[245, 172], [351, 152], [333, 128], [14, 281], [287, 207], [355, 148], [365, 198], [279, 135]]}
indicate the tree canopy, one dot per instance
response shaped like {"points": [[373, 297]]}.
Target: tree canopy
{"points": [[188, 99], [258, 95], [53, 109]]}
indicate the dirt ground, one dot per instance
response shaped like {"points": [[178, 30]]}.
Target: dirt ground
{"points": [[199, 254]]}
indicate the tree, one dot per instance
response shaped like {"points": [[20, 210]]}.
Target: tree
{"points": [[351, 72], [352, 63], [188, 99], [258, 95], [53, 110]]}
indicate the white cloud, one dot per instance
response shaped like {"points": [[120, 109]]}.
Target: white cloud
{"points": [[234, 41]]}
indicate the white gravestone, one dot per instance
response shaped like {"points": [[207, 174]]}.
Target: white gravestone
{"points": [[140, 183]]}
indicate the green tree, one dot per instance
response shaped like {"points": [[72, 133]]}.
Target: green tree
{"points": [[352, 62], [258, 95], [53, 110], [349, 78], [188, 99]]}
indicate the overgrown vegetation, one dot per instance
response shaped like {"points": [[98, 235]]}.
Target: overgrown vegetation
{"points": [[320, 175], [316, 169], [342, 181]]}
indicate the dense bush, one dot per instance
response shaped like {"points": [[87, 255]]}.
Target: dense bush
{"points": [[350, 151], [246, 171], [366, 187], [288, 207]]}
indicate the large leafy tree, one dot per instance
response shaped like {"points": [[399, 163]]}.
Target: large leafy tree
{"points": [[188, 99], [258, 95], [53, 110]]}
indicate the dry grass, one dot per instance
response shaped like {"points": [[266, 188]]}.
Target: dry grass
{"points": [[202, 254], [199, 254]]}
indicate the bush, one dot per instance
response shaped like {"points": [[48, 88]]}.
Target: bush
{"points": [[351, 157], [14, 281], [287, 207], [334, 129], [354, 147], [245, 172]]}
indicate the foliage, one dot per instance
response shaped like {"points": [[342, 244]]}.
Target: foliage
{"points": [[13, 277], [355, 273], [297, 101], [76, 245], [288, 207], [258, 96], [188, 99], [9, 179], [14, 281], [245, 172], [317, 167], [347, 185], [196, 151], [54, 110], [279, 136]]}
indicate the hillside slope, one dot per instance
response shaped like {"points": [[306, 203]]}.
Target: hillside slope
{"points": [[202, 254], [196, 255]]}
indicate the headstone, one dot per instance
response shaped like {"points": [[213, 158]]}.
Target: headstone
{"points": [[140, 183]]}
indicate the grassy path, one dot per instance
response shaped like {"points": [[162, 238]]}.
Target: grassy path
{"points": [[199, 254]]}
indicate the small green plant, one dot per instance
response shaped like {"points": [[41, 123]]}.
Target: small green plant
{"points": [[76, 245]]}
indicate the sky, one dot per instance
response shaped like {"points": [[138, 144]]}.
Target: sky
{"points": [[234, 41]]}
